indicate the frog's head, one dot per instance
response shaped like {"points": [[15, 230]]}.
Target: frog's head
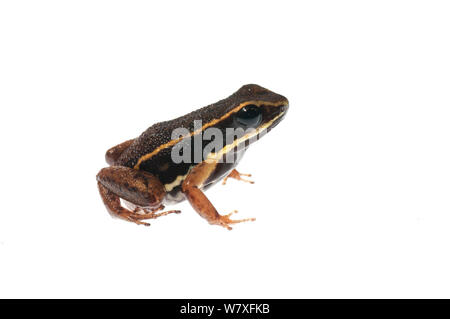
{"points": [[252, 111], [261, 109]]}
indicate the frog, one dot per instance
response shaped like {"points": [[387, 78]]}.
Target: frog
{"points": [[145, 174]]}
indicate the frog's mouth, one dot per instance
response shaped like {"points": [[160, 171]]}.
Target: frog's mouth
{"points": [[281, 110]]}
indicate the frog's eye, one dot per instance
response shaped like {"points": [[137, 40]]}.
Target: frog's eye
{"points": [[249, 116]]}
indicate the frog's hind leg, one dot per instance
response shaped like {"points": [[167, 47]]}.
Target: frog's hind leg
{"points": [[140, 188], [114, 153], [238, 176]]}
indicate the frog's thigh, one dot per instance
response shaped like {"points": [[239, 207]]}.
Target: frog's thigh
{"points": [[113, 153], [198, 200], [138, 187]]}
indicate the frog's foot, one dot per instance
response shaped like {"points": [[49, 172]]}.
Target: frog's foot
{"points": [[226, 221], [141, 213], [236, 175]]}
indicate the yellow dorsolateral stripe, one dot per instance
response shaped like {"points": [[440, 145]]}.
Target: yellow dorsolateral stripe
{"points": [[217, 156], [173, 142]]}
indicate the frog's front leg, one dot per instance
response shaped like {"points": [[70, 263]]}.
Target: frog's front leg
{"points": [[192, 189], [137, 187]]}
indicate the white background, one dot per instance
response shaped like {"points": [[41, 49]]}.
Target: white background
{"points": [[352, 188]]}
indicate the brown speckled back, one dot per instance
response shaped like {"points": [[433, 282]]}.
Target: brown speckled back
{"points": [[161, 133]]}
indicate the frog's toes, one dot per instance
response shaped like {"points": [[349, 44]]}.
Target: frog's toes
{"points": [[131, 218], [226, 221], [238, 176], [148, 214]]}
